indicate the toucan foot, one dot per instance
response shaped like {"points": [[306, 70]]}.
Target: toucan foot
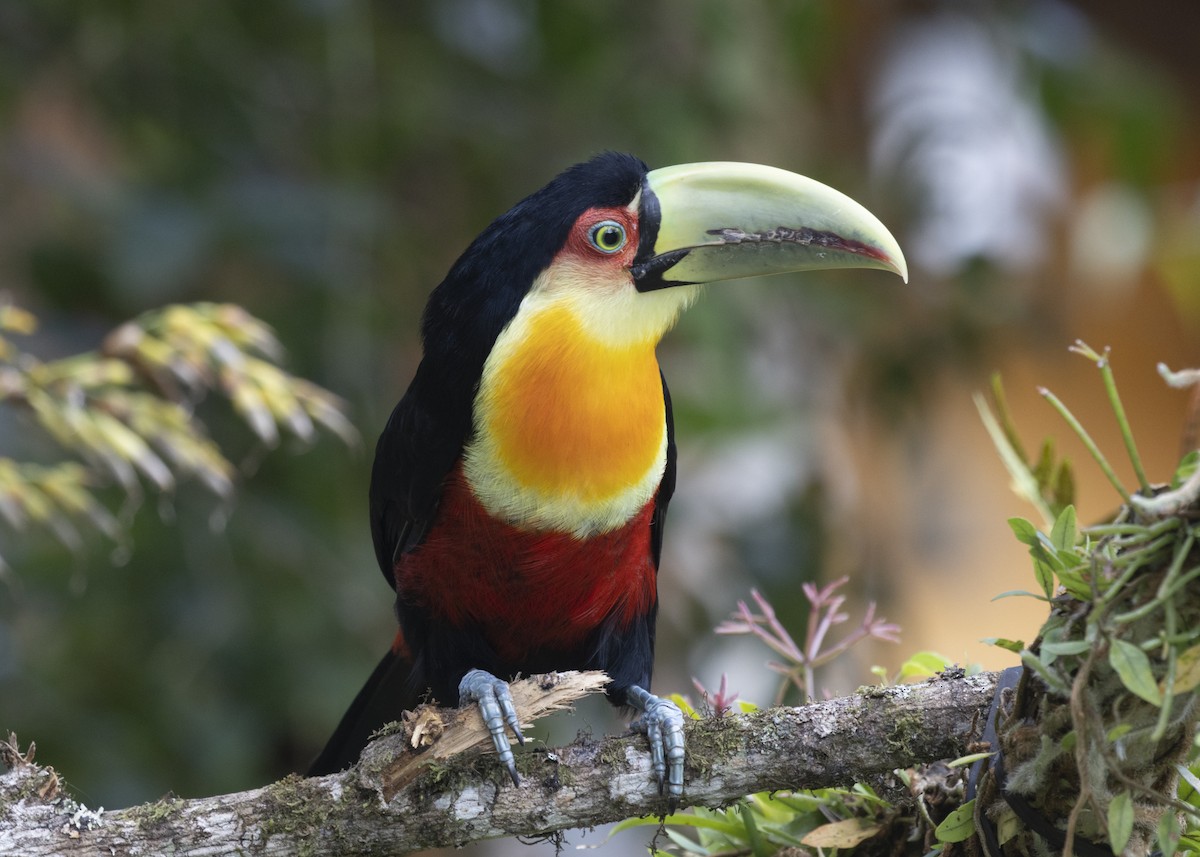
{"points": [[662, 721], [496, 705]]}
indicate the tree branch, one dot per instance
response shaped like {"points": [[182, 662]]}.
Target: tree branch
{"points": [[450, 801]]}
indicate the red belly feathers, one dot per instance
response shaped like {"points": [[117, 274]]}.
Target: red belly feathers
{"points": [[526, 590]]}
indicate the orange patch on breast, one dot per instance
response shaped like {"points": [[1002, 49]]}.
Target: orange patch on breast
{"points": [[571, 415]]}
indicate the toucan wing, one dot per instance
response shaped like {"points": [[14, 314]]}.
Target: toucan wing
{"points": [[667, 487], [419, 446]]}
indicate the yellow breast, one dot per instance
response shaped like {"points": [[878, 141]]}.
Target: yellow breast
{"points": [[570, 431]]}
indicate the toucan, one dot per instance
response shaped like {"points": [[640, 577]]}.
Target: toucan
{"points": [[520, 487]]}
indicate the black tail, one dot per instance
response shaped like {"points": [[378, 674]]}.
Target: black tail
{"points": [[387, 693]]}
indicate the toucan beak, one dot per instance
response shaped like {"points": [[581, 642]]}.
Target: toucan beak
{"points": [[706, 222]]}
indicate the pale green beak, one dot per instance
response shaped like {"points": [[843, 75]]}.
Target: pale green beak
{"points": [[702, 223]]}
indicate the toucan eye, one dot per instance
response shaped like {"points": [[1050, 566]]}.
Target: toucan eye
{"points": [[607, 236]]}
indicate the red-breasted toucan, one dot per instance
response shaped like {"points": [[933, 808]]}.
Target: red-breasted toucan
{"points": [[520, 487]]}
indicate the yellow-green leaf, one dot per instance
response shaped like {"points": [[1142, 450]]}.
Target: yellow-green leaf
{"points": [[1044, 574], [1120, 821], [1013, 646], [1025, 532], [685, 706], [1187, 671], [1118, 732], [1187, 466], [1168, 834], [1008, 825], [959, 825], [963, 761], [842, 834], [1133, 667], [924, 665], [1065, 647], [1063, 534]]}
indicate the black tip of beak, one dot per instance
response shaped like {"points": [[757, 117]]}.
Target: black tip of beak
{"points": [[648, 275]]}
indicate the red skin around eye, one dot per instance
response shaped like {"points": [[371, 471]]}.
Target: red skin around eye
{"points": [[579, 243]]}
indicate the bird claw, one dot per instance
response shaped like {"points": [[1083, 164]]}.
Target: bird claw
{"points": [[496, 706], [662, 721]]}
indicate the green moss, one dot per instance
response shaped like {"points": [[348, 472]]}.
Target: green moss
{"points": [[437, 778], [453, 775], [394, 727], [714, 742], [300, 809], [450, 778], [529, 765], [292, 808], [612, 754], [151, 815], [564, 775], [905, 724]]}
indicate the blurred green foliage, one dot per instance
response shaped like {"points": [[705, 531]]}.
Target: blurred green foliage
{"points": [[125, 414]]}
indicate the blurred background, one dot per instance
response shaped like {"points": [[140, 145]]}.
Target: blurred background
{"points": [[322, 162]]}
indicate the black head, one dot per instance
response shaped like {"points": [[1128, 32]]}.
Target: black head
{"points": [[485, 286]]}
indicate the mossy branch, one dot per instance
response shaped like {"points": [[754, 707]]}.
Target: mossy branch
{"points": [[368, 811]]}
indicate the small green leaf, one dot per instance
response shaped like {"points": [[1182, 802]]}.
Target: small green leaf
{"points": [[958, 826], [687, 846], [1008, 825], [1118, 732], [1053, 680], [1045, 576], [1073, 581], [1014, 592], [1133, 667], [685, 706], [1024, 485], [1062, 489], [1014, 646], [801, 802], [1063, 533], [962, 761], [1187, 670], [1168, 834], [1065, 647], [1187, 466], [1120, 821], [681, 819], [1043, 468], [924, 665], [1026, 533], [1045, 551], [757, 846]]}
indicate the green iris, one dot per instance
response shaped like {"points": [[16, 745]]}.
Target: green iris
{"points": [[607, 236]]}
